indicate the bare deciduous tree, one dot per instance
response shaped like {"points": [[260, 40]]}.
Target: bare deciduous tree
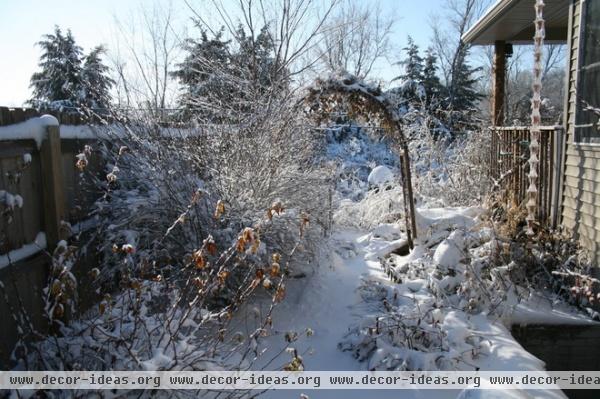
{"points": [[146, 48], [447, 32], [518, 82], [356, 38]]}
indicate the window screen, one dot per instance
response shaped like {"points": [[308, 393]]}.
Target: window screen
{"points": [[587, 129]]}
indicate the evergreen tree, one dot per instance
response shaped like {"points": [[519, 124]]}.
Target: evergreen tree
{"points": [[96, 83], [431, 81], [412, 78], [60, 63], [462, 94], [413, 64], [200, 73], [256, 57], [214, 70], [67, 77]]}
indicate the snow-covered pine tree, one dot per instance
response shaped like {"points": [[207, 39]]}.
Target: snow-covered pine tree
{"points": [[413, 63], [431, 81], [412, 77], [200, 73], [228, 73], [462, 95], [96, 83], [60, 75], [256, 56]]}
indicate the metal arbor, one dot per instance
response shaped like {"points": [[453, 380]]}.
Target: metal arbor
{"points": [[366, 100]]}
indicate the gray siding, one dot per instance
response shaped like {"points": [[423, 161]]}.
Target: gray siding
{"points": [[581, 179]]}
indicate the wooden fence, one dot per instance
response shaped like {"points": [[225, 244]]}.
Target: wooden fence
{"points": [[509, 167], [51, 186], [168, 118], [11, 116], [40, 168]]}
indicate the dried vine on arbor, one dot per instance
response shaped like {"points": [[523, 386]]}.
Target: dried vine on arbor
{"points": [[364, 100]]}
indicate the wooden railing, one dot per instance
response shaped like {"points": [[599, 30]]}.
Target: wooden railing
{"points": [[509, 167]]}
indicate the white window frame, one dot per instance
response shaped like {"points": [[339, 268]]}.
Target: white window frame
{"points": [[576, 136]]}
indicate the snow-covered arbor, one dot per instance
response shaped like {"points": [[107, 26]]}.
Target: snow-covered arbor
{"points": [[364, 100]]}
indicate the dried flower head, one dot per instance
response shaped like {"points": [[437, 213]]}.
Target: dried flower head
{"points": [[128, 248]]}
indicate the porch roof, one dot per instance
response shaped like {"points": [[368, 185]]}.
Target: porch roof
{"points": [[512, 21]]}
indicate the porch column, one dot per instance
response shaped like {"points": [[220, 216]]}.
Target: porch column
{"points": [[499, 73]]}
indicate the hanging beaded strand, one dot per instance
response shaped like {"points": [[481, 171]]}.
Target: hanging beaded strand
{"points": [[534, 146]]}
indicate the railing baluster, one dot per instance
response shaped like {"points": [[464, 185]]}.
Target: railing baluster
{"points": [[508, 153], [552, 185]]}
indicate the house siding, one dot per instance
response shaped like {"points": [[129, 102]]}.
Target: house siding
{"points": [[581, 177]]}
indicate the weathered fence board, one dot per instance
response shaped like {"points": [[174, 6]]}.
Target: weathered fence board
{"points": [[52, 185]]}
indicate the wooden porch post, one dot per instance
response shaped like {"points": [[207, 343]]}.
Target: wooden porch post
{"points": [[499, 73]]}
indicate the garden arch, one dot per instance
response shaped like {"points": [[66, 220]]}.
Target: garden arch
{"points": [[363, 99]]}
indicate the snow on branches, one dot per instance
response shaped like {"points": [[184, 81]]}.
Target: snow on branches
{"points": [[366, 101]]}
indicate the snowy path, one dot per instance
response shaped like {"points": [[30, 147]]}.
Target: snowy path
{"points": [[329, 303]]}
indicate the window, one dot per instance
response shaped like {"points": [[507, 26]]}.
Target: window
{"points": [[587, 127]]}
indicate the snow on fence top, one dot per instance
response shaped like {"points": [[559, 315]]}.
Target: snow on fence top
{"points": [[76, 116], [35, 129], [11, 116]]}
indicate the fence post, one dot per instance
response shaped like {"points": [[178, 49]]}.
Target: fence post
{"points": [[52, 185]]}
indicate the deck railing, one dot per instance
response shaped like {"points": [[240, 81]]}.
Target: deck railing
{"points": [[509, 166]]}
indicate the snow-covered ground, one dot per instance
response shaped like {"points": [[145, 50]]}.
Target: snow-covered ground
{"points": [[366, 282], [350, 288], [370, 304]]}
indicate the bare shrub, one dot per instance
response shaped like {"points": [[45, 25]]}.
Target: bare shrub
{"points": [[178, 261], [451, 171], [193, 221]]}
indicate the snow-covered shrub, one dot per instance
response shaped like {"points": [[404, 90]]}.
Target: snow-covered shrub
{"points": [[449, 172], [163, 187], [460, 282], [176, 264], [413, 334], [191, 222], [431, 319], [158, 322], [268, 161], [377, 207]]}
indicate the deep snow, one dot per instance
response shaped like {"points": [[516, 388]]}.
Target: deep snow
{"points": [[346, 290], [350, 288]]}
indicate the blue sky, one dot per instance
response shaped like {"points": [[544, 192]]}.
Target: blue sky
{"points": [[92, 22]]}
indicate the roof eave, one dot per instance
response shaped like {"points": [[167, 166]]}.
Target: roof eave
{"points": [[489, 17]]}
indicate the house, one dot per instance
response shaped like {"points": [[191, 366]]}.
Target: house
{"points": [[570, 153]]}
